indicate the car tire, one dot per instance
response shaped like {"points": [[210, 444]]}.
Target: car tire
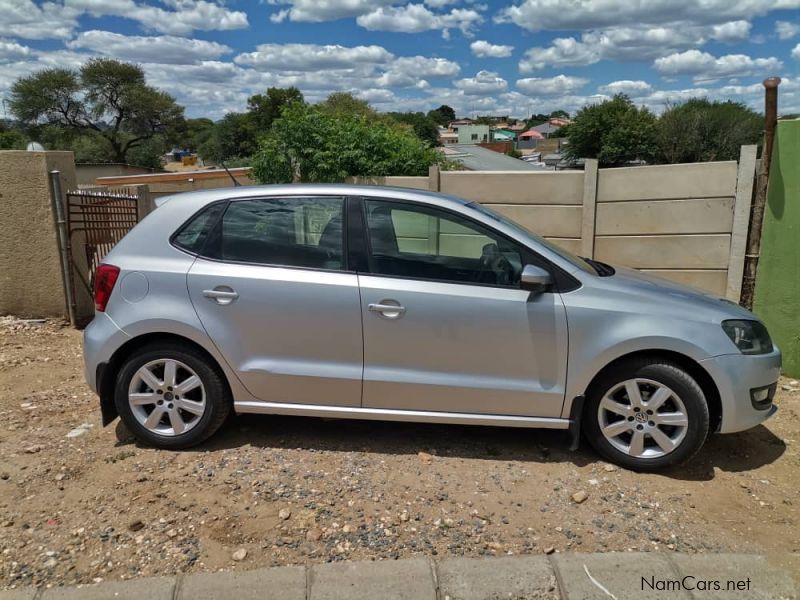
{"points": [[648, 433], [183, 421]]}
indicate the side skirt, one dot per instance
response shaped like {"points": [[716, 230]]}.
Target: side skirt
{"points": [[385, 414]]}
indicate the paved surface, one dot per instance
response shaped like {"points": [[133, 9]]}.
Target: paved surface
{"points": [[614, 575]]}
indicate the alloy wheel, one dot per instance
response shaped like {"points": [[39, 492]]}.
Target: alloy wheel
{"points": [[643, 418], [167, 397]]}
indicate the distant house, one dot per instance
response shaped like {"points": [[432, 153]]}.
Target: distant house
{"points": [[529, 139], [474, 134], [447, 137], [454, 125], [476, 158], [553, 125], [504, 135]]}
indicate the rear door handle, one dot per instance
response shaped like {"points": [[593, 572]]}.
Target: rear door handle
{"points": [[387, 311], [221, 295]]}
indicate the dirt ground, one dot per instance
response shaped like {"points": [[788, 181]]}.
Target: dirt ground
{"points": [[97, 506]]}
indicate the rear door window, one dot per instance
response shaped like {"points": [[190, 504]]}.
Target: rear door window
{"points": [[192, 236], [292, 232]]}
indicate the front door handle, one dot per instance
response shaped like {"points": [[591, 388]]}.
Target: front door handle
{"points": [[388, 309], [221, 294]]}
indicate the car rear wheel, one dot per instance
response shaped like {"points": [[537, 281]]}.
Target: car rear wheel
{"points": [[170, 396], [646, 414]]}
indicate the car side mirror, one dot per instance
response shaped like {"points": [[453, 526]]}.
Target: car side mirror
{"points": [[535, 279]]}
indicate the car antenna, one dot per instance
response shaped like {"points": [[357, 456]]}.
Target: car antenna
{"points": [[227, 170]]}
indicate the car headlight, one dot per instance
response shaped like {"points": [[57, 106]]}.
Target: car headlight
{"points": [[750, 337]]}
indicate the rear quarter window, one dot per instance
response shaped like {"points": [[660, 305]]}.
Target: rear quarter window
{"points": [[193, 234]]}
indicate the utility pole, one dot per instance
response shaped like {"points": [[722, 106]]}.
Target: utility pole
{"points": [[760, 199]]}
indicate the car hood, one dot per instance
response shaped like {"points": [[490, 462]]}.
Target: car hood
{"points": [[662, 290]]}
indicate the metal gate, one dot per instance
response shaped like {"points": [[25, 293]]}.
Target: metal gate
{"points": [[96, 221]]}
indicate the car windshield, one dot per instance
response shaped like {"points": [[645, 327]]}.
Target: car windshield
{"points": [[578, 261]]}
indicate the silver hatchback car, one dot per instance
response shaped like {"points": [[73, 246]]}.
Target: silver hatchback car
{"points": [[398, 304]]}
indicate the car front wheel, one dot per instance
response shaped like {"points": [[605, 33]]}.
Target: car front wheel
{"points": [[169, 396], [646, 415]]}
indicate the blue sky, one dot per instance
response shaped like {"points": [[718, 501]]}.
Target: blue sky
{"points": [[479, 56]]}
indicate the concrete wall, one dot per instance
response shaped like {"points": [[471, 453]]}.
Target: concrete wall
{"points": [[165, 184], [87, 173], [777, 296], [30, 274]]}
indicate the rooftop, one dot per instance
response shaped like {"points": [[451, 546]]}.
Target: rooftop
{"points": [[475, 158]]}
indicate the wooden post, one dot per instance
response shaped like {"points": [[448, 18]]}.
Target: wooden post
{"points": [[589, 214], [741, 218], [144, 203], [757, 217], [434, 178]]}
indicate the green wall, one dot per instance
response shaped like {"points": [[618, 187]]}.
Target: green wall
{"points": [[777, 297]]}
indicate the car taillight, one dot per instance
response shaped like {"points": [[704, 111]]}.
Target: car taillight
{"points": [[104, 280]]}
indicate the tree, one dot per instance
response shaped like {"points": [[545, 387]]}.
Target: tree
{"points": [[104, 96], [233, 137], [614, 132], [344, 104], [309, 144], [536, 119], [442, 115], [194, 133], [423, 126], [699, 130], [11, 138], [559, 114], [265, 108]]}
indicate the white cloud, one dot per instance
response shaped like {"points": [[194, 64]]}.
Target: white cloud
{"points": [[563, 52], [704, 66], [733, 31], [375, 95], [629, 44], [162, 49], [786, 30], [551, 86], [484, 83], [185, 17], [12, 51], [407, 71], [317, 11], [26, 19], [311, 57], [484, 49], [414, 18], [634, 89], [538, 15], [796, 52]]}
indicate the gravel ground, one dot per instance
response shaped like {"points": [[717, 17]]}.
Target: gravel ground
{"points": [[82, 503]]}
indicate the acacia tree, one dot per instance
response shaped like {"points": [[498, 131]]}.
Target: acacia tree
{"points": [[614, 132], [106, 97], [308, 144]]}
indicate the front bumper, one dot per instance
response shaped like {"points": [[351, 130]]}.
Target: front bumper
{"points": [[737, 376]]}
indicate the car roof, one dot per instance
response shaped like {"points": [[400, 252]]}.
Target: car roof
{"points": [[202, 197]]}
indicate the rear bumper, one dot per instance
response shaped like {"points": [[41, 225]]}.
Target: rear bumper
{"points": [[101, 338], [737, 377]]}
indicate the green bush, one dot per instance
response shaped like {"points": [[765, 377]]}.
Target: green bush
{"points": [[310, 145]]}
